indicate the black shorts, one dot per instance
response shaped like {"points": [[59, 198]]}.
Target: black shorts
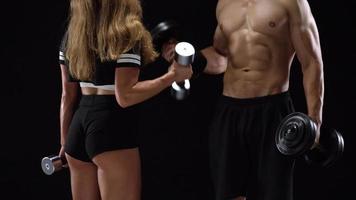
{"points": [[99, 125], [244, 157]]}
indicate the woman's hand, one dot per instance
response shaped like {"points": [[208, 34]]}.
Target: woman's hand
{"points": [[181, 72], [62, 154]]}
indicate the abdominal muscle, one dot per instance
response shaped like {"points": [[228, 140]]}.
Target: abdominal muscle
{"points": [[253, 83], [257, 66]]}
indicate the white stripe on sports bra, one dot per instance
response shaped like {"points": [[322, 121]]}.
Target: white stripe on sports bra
{"points": [[91, 85], [61, 56]]}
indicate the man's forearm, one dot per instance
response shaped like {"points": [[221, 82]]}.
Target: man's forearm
{"points": [[313, 81]]}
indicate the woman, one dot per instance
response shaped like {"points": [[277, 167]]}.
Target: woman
{"points": [[102, 50]]}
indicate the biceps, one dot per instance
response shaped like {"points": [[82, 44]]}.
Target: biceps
{"points": [[304, 32], [306, 42], [68, 88]]}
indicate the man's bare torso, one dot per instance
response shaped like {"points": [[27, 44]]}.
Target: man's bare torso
{"points": [[259, 47]]}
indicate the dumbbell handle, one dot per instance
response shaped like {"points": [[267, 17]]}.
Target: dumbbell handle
{"points": [[51, 164], [185, 61]]}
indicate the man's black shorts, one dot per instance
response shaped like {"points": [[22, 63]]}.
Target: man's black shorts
{"points": [[244, 157]]}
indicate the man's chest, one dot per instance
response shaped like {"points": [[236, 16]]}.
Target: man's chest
{"points": [[265, 16]]}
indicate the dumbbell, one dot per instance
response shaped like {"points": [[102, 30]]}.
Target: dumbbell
{"points": [[54, 163], [184, 55], [296, 134], [184, 52], [164, 31]]}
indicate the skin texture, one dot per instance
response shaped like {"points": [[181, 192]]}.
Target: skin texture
{"points": [[261, 39]]}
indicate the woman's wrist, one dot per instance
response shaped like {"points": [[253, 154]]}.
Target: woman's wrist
{"points": [[169, 78]]}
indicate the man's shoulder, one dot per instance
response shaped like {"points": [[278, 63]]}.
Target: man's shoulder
{"points": [[222, 3], [290, 5], [296, 7]]}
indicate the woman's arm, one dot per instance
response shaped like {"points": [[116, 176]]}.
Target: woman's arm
{"points": [[129, 91], [68, 101]]}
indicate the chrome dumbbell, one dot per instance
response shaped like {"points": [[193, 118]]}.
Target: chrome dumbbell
{"points": [[51, 164], [184, 55]]}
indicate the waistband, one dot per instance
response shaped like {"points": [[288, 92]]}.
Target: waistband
{"points": [[89, 100], [284, 96]]}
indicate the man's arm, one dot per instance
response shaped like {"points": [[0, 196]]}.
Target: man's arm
{"points": [[215, 62], [220, 42], [305, 38], [216, 55]]}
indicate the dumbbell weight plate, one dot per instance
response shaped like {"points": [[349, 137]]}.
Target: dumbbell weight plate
{"points": [[184, 53], [180, 91], [165, 31], [295, 134], [330, 150]]}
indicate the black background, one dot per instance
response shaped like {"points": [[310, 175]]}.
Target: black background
{"points": [[30, 80]]}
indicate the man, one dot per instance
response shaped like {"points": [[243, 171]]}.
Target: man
{"points": [[260, 39], [173, 133]]}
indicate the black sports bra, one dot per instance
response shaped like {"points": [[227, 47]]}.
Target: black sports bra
{"points": [[104, 76]]}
